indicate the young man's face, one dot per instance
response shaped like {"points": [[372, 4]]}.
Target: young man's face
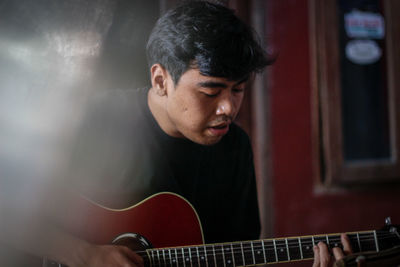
{"points": [[201, 108]]}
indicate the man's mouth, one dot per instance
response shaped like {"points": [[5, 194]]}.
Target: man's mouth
{"points": [[219, 129], [220, 126]]}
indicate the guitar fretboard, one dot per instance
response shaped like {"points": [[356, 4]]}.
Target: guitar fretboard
{"points": [[261, 251]]}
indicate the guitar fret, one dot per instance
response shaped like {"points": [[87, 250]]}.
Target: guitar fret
{"points": [[233, 255], [206, 256], [301, 249], [313, 241], [190, 257], [276, 252], [376, 242], [151, 257], [158, 258], [198, 256], [154, 257], [359, 243], [252, 251], [163, 253], [223, 255], [287, 249], [241, 246], [183, 257], [215, 259], [263, 248], [170, 257]]}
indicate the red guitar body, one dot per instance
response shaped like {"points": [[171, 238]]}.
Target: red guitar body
{"points": [[164, 219]]}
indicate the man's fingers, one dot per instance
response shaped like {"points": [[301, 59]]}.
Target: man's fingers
{"points": [[337, 253], [324, 255], [346, 244], [316, 256], [321, 255], [133, 256]]}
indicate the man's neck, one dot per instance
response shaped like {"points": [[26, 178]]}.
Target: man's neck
{"points": [[158, 109]]}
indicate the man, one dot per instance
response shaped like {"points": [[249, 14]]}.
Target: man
{"points": [[179, 136]]}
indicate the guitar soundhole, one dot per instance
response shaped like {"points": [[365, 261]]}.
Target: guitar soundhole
{"points": [[133, 241]]}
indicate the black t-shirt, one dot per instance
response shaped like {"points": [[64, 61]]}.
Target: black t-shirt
{"points": [[122, 156]]}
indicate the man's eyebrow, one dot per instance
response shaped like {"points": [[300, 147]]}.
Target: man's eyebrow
{"points": [[211, 84]]}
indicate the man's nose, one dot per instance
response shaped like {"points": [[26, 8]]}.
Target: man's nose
{"points": [[226, 107]]}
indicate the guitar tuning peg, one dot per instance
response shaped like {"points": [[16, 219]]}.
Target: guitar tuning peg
{"points": [[388, 221]]}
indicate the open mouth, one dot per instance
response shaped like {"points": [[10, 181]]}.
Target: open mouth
{"points": [[219, 130], [222, 126]]}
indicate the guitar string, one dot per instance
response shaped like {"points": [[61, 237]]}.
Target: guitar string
{"points": [[332, 239], [249, 258], [282, 248], [258, 243]]}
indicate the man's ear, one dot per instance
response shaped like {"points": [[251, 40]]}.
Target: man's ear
{"points": [[159, 77]]}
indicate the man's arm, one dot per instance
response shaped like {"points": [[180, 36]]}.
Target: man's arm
{"points": [[27, 224]]}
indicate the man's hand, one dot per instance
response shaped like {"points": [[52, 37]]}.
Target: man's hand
{"points": [[322, 257], [107, 256]]}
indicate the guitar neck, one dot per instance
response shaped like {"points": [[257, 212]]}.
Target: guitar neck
{"points": [[262, 251]]}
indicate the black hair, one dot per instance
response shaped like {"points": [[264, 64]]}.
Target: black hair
{"points": [[207, 36]]}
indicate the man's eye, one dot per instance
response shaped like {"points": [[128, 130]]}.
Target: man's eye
{"points": [[210, 94], [238, 90]]}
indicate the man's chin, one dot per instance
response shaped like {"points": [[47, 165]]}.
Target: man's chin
{"points": [[209, 141], [205, 139]]}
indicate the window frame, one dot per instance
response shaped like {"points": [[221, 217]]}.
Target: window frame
{"points": [[327, 123]]}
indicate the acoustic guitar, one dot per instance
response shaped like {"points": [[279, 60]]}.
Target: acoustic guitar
{"points": [[166, 231]]}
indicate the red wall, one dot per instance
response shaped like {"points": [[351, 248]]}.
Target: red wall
{"points": [[298, 208]]}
